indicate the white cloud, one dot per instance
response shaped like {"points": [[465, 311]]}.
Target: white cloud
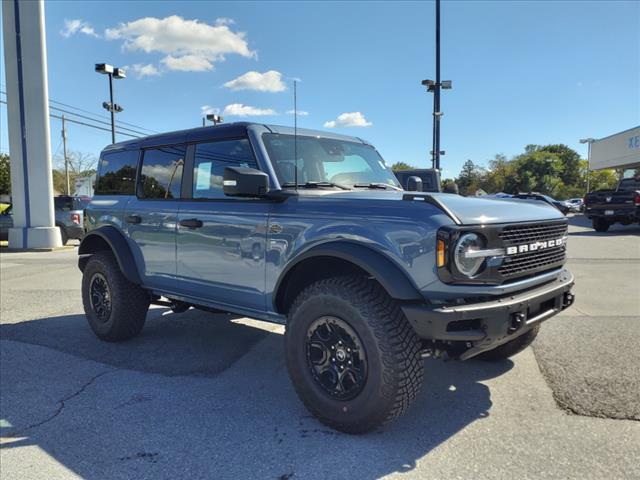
{"points": [[348, 119], [208, 109], [189, 45], [140, 70], [301, 113], [240, 110], [71, 27], [187, 63], [270, 81]]}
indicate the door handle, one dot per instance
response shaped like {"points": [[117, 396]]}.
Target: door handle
{"points": [[191, 223], [133, 219]]}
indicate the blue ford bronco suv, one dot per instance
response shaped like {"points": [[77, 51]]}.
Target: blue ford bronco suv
{"points": [[312, 230]]}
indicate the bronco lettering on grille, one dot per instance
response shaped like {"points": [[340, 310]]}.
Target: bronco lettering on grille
{"points": [[532, 247]]}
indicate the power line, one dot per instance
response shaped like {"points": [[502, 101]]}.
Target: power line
{"points": [[102, 116], [87, 124], [99, 118], [96, 120], [92, 119]]}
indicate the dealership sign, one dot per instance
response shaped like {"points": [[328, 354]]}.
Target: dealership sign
{"points": [[621, 150]]}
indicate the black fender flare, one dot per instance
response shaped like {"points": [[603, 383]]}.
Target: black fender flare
{"points": [[384, 270], [94, 241]]}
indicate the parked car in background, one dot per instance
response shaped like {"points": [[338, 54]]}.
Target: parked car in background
{"points": [[576, 205], [562, 206], [6, 220], [69, 216], [606, 207]]}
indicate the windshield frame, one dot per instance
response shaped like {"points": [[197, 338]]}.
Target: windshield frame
{"points": [[391, 179]]}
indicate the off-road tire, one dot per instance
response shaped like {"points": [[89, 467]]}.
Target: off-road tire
{"points": [[600, 225], [129, 302], [395, 369], [509, 349]]}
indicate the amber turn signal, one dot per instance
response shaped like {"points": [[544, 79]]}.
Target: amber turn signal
{"points": [[440, 253]]}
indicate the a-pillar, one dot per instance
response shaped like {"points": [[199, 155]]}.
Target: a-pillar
{"points": [[25, 57]]}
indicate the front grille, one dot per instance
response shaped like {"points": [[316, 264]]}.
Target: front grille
{"points": [[514, 235], [526, 263]]}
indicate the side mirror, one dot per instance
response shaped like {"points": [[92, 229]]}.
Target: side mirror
{"points": [[245, 182], [414, 184]]}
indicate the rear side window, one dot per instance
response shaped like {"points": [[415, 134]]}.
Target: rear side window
{"points": [[210, 161], [629, 184], [117, 173], [161, 173], [63, 203]]}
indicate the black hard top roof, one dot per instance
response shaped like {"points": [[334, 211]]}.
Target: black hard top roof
{"points": [[224, 130]]}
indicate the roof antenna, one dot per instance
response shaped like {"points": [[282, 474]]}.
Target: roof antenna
{"points": [[295, 131]]}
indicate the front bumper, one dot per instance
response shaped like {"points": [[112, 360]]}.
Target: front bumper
{"points": [[486, 325]]}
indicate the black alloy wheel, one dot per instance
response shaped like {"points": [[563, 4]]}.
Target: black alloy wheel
{"points": [[100, 296], [336, 358]]}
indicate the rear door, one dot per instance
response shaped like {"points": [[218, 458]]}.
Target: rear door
{"points": [[221, 240], [151, 216]]}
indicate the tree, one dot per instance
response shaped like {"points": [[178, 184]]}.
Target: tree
{"points": [[80, 165], [398, 166], [471, 178], [5, 174]]}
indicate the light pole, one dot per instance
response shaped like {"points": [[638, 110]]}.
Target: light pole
{"points": [[589, 141], [117, 73], [435, 87]]}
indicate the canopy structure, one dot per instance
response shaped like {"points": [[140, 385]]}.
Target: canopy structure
{"points": [[621, 150]]}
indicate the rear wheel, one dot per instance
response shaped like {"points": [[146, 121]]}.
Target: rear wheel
{"points": [[115, 308], [600, 225], [509, 349], [353, 358]]}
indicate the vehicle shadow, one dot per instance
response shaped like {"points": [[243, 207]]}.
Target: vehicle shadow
{"points": [[614, 230], [214, 400]]}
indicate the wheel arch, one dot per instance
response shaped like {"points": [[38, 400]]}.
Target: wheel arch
{"points": [[108, 238], [341, 258]]}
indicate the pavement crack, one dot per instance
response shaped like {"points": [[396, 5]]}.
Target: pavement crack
{"points": [[62, 402]]}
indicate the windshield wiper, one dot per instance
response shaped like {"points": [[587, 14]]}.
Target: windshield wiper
{"points": [[315, 185], [375, 185]]}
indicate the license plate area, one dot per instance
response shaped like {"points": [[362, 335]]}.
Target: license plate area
{"points": [[608, 212]]}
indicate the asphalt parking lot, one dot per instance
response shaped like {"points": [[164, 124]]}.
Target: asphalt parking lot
{"points": [[197, 396]]}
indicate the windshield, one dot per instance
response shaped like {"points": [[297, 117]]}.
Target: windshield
{"points": [[339, 162]]}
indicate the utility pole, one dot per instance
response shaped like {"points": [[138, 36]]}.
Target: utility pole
{"points": [[435, 87], [64, 152], [436, 95]]}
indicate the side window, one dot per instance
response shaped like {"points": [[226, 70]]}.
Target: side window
{"points": [[210, 160], [161, 172], [117, 173]]}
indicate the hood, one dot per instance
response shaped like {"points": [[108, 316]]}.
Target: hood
{"points": [[469, 210], [478, 210]]}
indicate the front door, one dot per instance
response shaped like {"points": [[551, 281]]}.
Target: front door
{"points": [[221, 240], [151, 217]]}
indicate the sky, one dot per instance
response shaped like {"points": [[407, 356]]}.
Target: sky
{"points": [[523, 72]]}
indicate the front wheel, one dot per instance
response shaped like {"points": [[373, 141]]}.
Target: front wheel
{"points": [[115, 308], [353, 358]]}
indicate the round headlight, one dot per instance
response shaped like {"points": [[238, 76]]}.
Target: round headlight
{"points": [[465, 264]]}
